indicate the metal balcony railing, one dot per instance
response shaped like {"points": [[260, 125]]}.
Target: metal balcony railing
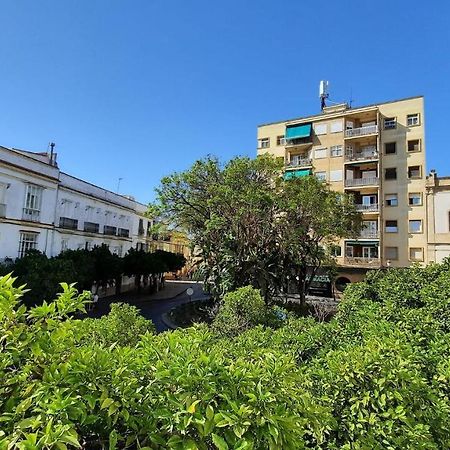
{"points": [[299, 162], [362, 131], [2, 210], [31, 214], [369, 234], [362, 261], [298, 142], [370, 181], [358, 156], [366, 208]]}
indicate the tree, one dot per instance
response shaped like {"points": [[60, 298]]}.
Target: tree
{"points": [[243, 218]]}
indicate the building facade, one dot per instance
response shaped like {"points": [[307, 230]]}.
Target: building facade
{"points": [[45, 209], [376, 153]]}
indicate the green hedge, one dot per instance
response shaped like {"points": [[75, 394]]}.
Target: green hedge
{"points": [[377, 376]]}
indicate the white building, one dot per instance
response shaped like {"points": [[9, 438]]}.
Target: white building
{"points": [[45, 209]]}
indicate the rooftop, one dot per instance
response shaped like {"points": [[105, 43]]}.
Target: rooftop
{"points": [[324, 114]]}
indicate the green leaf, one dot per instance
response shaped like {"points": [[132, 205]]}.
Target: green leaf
{"points": [[219, 442], [106, 403]]}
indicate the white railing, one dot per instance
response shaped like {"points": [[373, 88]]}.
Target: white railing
{"points": [[357, 156], [30, 214], [371, 181], [299, 162], [362, 131], [361, 261], [364, 208], [369, 234], [2, 210]]}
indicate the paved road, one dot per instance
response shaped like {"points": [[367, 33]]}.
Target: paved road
{"points": [[154, 305]]}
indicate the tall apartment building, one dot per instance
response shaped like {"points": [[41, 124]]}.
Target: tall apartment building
{"points": [[376, 153]]}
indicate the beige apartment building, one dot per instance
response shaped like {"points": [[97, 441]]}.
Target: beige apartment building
{"points": [[376, 153]]}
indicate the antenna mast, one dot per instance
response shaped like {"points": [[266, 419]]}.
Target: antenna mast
{"points": [[323, 93]]}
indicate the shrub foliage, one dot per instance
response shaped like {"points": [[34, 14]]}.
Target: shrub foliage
{"points": [[377, 376]]}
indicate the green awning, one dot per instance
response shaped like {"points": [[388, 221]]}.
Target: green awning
{"points": [[298, 131], [363, 243], [297, 173]]}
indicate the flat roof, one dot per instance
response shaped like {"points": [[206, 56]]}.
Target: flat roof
{"points": [[347, 110]]}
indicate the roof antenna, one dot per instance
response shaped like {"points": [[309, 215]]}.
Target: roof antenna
{"points": [[118, 184], [323, 93], [351, 98], [52, 148]]}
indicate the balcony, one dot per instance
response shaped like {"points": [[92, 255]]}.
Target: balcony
{"points": [[362, 261], [366, 208], [31, 215], [369, 234], [2, 210], [299, 162], [69, 224], [369, 181], [300, 143], [123, 232], [109, 231], [362, 155], [362, 131], [91, 227]]}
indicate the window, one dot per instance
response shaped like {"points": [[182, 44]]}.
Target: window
{"points": [[27, 241], [414, 145], [390, 173], [390, 123], [415, 226], [390, 148], [91, 227], [70, 224], [109, 230], [141, 227], [391, 199], [320, 153], [336, 150], [412, 120], [64, 244], [322, 176], [391, 253], [391, 226], [414, 172], [415, 199], [264, 143], [320, 128], [416, 254], [336, 175], [3, 188], [281, 140], [33, 201], [123, 232], [337, 126], [336, 250]]}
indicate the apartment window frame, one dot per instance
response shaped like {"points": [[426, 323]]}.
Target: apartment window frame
{"points": [[394, 143], [414, 150], [414, 177], [413, 120], [321, 175], [32, 202], [336, 250], [336, 151], [28, 240], [420, 249], [320, 129], [281, 140], [336, 126], [264, 142], [390, 123], [411, 197], [395, 253], [386, 200], [389, 226], [321, 149], [420, 229], [390, 177]]}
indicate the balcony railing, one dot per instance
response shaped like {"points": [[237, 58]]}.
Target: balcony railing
{"points": [[358, 156], [91, 227], [299, 162], [2, 210], [362, 131], [110, 231], [370, 181], [369, 234], [31, 214], [123, 232], [362, 261], [70, 224], [366, 208], [298, 142]]}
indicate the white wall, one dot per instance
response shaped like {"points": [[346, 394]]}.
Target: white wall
{"points": [[441, 211]]}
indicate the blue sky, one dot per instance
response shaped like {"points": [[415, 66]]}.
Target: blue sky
{"points": [[141, 88]]}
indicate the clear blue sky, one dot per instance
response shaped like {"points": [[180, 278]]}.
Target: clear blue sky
{"points": [[141, 88]]}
